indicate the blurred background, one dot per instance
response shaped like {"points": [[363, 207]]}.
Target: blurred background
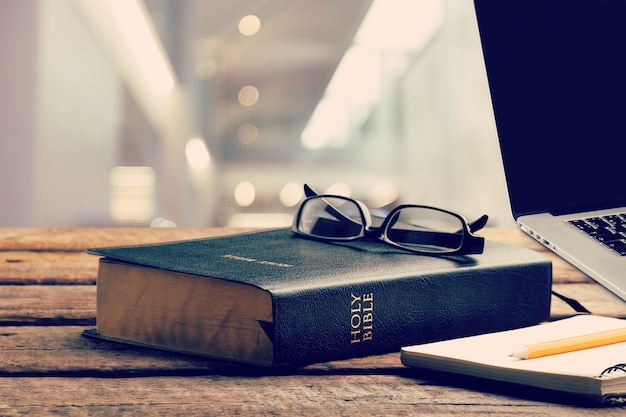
{"points": [[215, 112]]}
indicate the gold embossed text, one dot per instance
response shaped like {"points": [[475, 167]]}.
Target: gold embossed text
{"points": [[361, 317]]}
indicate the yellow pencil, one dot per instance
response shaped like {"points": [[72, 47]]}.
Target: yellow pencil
{"points": [[571, 344]]}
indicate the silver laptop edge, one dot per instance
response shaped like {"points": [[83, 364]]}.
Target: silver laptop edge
{"points": [[557, 79]]}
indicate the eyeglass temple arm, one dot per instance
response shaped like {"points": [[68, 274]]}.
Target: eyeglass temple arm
{"points": [[308, 191], [476, 244], [479, 223]]}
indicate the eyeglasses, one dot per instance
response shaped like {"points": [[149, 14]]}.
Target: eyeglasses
{"points": [[418, 229]]}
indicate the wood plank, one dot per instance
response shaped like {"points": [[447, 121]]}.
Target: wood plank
{"points": [[76, 304], [56, 255], [511, 236], [597, 299], [326, 395], [81, 238], [105, 377], [33, 256], [47, 370], [48, 305], [54, 267], [562, 271], [64, 351], [78, 239]]}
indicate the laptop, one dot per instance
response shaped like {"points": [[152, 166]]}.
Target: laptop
{"points": [[557, 76]]}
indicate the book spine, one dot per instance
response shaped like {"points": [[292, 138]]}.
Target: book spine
{"points": [[381, 316]]}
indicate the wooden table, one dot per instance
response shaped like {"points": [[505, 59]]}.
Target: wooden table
{"points": [[47, 299]]}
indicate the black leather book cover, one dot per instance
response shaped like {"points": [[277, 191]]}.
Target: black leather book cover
{"points": [[341, 300]]}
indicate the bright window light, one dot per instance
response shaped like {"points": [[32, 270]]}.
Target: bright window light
{"points": [[329, 124], [391, 30], [354, 88], [132, 21], [358, 76], [132, 194], [400, 25]]}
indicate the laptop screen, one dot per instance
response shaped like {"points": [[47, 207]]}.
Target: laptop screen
{"points": [[557, 76]]}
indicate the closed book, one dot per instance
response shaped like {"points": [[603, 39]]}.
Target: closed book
{"points": [[270, 298]]}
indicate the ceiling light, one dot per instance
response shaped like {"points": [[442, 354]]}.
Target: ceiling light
{"points": [[247, 133], [291, 194], [245, 193], [339, 188], [248, 95], [382, 195], [197, 153], [249, 25]]}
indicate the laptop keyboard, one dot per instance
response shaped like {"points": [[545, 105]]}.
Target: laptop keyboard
{"points": [[607, 230]]}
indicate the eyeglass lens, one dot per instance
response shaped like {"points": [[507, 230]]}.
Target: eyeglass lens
{"points": [[425, 229], [331, 217]]}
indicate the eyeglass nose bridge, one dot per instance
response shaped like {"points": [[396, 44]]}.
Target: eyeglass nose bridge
{"points": [[373, 233]]}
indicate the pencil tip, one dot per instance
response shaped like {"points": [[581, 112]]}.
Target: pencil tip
{"points": [[519, 355]]}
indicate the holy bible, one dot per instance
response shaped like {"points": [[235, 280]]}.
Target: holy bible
{"points": [[270, 298]]}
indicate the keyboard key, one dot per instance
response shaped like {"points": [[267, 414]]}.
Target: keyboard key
{"points": [[610, 231], [618, 246]]}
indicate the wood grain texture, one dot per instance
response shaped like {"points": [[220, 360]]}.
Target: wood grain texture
{"points": [[79, 239], [76, 304], [48, 298], [54, 267], [563, 271], [322, 395], [64, 351], [47, 305], [56, 255]]}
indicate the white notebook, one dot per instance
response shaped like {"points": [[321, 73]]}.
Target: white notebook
{"points": [[597, 373]]}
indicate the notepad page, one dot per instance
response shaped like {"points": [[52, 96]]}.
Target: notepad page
{"points": [[494, 349]]}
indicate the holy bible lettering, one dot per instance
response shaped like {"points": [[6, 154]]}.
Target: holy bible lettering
{"points": [[361, 318]]}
